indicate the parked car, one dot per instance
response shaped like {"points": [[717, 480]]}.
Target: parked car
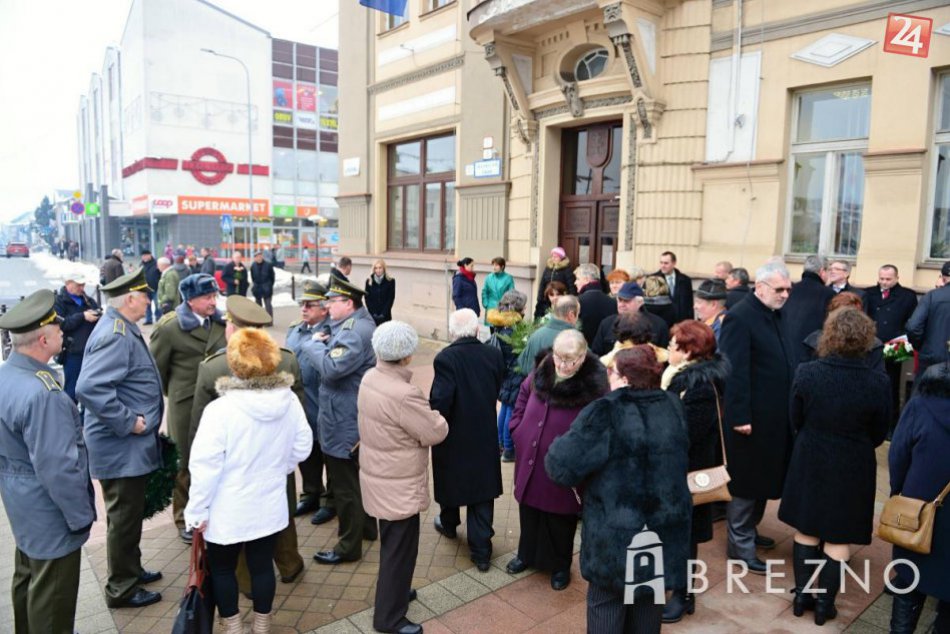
{"points": [[19, 249]]}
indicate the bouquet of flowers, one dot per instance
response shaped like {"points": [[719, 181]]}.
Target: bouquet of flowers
{"points": [[898, 350]]}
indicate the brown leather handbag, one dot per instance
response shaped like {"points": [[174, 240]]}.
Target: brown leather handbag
{"points": [[909, 522], [711, 484]]}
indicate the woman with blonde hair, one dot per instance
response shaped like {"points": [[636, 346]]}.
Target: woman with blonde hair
{"points": [[248, 440], [657, 300], [380, 293]]}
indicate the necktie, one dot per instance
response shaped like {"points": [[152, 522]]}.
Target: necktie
{"points": [[206, 324], [670, 281], [886, 293]]}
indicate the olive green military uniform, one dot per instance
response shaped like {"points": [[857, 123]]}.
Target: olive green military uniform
{"points": [[179, 343]]}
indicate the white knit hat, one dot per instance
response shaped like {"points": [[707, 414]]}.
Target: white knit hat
{"points": [[394, 341]]}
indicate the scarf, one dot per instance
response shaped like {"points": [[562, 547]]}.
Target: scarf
{"points": [[377, 279], [469, 274], [671, 371]]}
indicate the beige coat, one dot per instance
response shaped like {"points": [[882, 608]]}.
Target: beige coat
{"points": [[397, 427]]}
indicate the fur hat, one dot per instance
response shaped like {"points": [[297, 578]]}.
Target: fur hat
{"points": [[394, 341], [252, 353]]}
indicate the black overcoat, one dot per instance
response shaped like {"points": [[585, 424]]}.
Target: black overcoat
{"points": [[596, 306], [629, 450], [681, 294], [561, 272], [699, 386], [604, 340], [754, 340], [805, 311], [840, 409], [466, 467], [890, 314], [380, 298], [736, 295], [262, 274]]}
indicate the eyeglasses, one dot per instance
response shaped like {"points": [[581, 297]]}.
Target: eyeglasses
{"points": [[566, 362], [779, 289]]}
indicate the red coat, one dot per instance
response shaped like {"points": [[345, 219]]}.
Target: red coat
{"points": [[544, 411]]}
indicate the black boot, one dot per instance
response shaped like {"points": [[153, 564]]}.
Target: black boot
{"points": [[906, 612], [681, 602], [804, 600], [829, 582]]}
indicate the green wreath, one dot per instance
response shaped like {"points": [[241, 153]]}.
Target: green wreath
{"points": [[161, 483]]}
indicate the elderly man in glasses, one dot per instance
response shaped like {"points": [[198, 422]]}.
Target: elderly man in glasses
{"points": [[758, 438]]}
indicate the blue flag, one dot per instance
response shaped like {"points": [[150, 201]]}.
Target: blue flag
{"points": [[395, 7]]}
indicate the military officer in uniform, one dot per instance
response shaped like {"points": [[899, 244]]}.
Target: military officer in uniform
{"points": [[44, 471], [313, 311], [120, 388], [341, 358], [244, 313], [181, 340]]}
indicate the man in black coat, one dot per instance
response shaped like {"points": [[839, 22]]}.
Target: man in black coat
{"points": [[343, 269], [757, 432], [629, 300], [681, 286], [737, 286], [805, 310], [262, 275], [466, 467], [596, 305], [80, 314], [207, 262], [929, 327], [890, 305], [152, 275], [839, 278], [235, 275]]}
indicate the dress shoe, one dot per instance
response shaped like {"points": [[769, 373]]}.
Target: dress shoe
{"points": [[413, 595], [140, 599], [409, 628], [763, 542], [292, 577], [680, 602], [185, 535], [756, 566], [515, 566], [508, 455], [561, 579], [304, 507], [322, 516], [330, 558], [483, 566], [446, 532], [149, 577]]}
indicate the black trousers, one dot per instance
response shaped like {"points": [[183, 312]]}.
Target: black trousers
{"points": [[222, 561], [547, 539], [45, 592], [265, 301], [607, 613], [893, 371], [398, 549], [355, 524], [478, 525], [125, 505], [311, 472]]}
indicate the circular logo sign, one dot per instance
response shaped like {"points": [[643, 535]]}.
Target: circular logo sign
{"points": [[702, 480], [77, 208], [208, 166]]}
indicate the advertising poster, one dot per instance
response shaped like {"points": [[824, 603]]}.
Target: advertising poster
{"points": [[283, 93], [306, 97]]}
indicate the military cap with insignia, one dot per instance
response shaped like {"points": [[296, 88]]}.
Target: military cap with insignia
{"points": [[32, 313], [339, 288], [134, 281], [244, 313], [312, 292]]}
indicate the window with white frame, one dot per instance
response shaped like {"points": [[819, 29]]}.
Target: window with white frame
{"points": [[438, 4], [829, 137], [391, 21], [940, 229]]}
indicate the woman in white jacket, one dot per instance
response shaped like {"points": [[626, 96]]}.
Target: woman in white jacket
{"points": [[248, 441]]}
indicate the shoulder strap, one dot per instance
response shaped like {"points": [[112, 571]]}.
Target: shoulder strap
{"points": [[942, 495], [722, 439]]}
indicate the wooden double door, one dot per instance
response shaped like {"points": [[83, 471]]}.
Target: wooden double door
{"points": [[589, 210]]}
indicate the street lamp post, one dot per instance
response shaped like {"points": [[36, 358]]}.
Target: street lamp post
{"points": [[252, 230]]}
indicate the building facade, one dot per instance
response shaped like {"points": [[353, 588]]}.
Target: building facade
{"points": [[719, 129]]}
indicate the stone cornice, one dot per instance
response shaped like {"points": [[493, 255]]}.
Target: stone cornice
{"points": [[407, 78]]}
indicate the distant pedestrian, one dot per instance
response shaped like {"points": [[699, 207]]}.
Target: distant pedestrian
{"points": [[263, 278], [112, 268], [496, 284], [167, 290], [464, 288], [305, 260], [343, 269], [207, 262], [79, 313], [680, 285], [152, 276], [280, 257], [737, 286], [558, 269], [235, 275], [380, 293], [510, 313], [722, 270]]}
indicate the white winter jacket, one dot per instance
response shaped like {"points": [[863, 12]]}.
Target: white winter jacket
{"points": [[248, 440]]}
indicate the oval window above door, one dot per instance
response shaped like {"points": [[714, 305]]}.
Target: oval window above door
{"points": [[591, 64]]}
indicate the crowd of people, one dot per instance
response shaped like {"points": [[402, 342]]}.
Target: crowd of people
{"points": [[628, 383]]}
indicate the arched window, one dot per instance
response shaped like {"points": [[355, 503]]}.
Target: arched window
{"points": [[591, 64]]}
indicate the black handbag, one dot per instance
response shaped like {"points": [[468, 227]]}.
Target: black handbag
{"points": [[196, 614]]}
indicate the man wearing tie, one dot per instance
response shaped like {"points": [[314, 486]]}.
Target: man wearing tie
{"points": [[681, 286]]}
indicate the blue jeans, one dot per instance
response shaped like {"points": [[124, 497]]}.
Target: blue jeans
{"points": [[504, 434]]}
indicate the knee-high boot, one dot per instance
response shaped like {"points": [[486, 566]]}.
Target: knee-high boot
{"points": [[829, 582], [804, 600], [681, 601], [905, 612]]}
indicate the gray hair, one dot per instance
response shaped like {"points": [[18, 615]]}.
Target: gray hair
{"points": [[844, 264], [813, 264], [118, 301], [564, 305], [740, 275], [770, 269], [22, 340], [636, 273], [571, 339], [463, 323], [725, 264], [394, 341], [163, 261], [513, 300], [117, 252], [587, 271]]}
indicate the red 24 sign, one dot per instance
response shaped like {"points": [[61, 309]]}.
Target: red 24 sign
{"points": [[907, 35]]}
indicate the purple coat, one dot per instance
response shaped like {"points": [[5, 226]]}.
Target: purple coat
{"points": [[545, 410]]}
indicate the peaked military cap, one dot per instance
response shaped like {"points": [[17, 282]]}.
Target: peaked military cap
{"points": [[339, 288], [134, 281], [244, 313], [33, 312], [196, 285], [312, 291]]}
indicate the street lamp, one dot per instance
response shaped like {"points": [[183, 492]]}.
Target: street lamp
{"points": [[252, 230]]}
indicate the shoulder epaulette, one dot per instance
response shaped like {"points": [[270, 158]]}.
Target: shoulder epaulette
{"points": [[349, 323], [215, 355], [118, 327], [167, 317], [294, 324], [49, 382]]}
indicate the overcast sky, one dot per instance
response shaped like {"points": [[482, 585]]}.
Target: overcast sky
{"points": [[48, 51]]}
